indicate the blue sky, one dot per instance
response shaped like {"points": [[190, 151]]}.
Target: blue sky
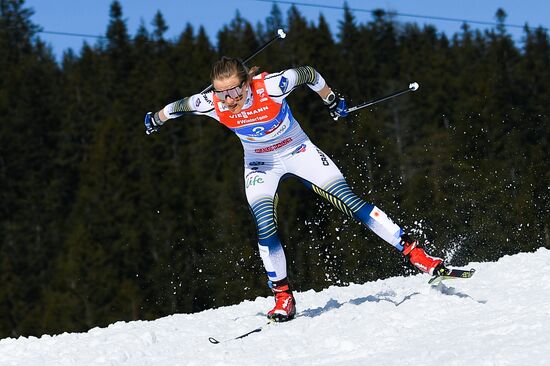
{"points": [[92, 16]]}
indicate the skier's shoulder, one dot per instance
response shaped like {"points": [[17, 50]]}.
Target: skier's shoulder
{"points": [[202, 102], [278, 83]]}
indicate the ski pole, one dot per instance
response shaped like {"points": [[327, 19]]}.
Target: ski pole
{"points": [[280, 35], [412, 87]]}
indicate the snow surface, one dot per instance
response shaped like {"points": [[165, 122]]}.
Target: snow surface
{"points": [[501, 316]]}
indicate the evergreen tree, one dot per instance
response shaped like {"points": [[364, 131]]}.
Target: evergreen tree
{"points": [[160, 27]]}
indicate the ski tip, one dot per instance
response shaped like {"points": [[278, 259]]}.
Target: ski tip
{"points": [[213, 340], [468, 273]]}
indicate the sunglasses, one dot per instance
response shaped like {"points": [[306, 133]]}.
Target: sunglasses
{"points": [[235, 93]]}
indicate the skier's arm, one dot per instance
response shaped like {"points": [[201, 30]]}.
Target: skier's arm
{"points": [[200, 104], [280, 85]]}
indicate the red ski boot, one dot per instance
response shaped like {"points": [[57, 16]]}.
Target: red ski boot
{"points": [[418, 256], [285, 305]]}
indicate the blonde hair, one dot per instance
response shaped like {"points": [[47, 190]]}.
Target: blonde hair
{"points": [[227, 67]]}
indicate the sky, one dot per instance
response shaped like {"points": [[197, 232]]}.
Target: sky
{"points": [[92, 17], [500, 316]]}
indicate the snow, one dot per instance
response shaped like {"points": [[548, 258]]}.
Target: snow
{"points": [[501, 316]]}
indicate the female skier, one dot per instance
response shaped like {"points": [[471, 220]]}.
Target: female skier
{"points": [[254, 107]]}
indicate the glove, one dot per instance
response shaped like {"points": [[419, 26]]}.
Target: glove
{"points": [[336, 105], [152, 122]]}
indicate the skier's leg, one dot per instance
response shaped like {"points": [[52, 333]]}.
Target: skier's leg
{"points": [[320, 174], [269, 244], [261, 182], [341, 196]]}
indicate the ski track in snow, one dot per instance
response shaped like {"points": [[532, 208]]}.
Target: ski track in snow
{"points": [[501, 316]]}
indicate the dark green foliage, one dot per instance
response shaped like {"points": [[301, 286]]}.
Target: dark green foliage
{"points": [[99, 222]]}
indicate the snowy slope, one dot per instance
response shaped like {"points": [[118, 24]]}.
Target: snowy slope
{"points": [[499, 317]]}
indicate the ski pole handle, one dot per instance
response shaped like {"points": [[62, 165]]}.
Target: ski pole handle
{"points": [[412, 87]]}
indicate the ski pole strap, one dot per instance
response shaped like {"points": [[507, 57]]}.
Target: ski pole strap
{"points": [[412, 87]]}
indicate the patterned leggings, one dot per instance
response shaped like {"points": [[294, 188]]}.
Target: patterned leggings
{"points": [[263, 173]]}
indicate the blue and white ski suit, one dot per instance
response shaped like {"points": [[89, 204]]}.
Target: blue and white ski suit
{"points": [[275, 146]]}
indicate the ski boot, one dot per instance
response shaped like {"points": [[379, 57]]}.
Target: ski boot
{"points": [[418, 257], [285, 305]]}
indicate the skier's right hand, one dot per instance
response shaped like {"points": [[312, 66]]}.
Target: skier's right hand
{"points": [[152, 123]]}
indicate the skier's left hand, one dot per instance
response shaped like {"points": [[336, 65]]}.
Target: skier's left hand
{"points": [[336, 105]]}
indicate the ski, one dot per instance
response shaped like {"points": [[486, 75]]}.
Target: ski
{"points": [[449, 274], [259, 329]]}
